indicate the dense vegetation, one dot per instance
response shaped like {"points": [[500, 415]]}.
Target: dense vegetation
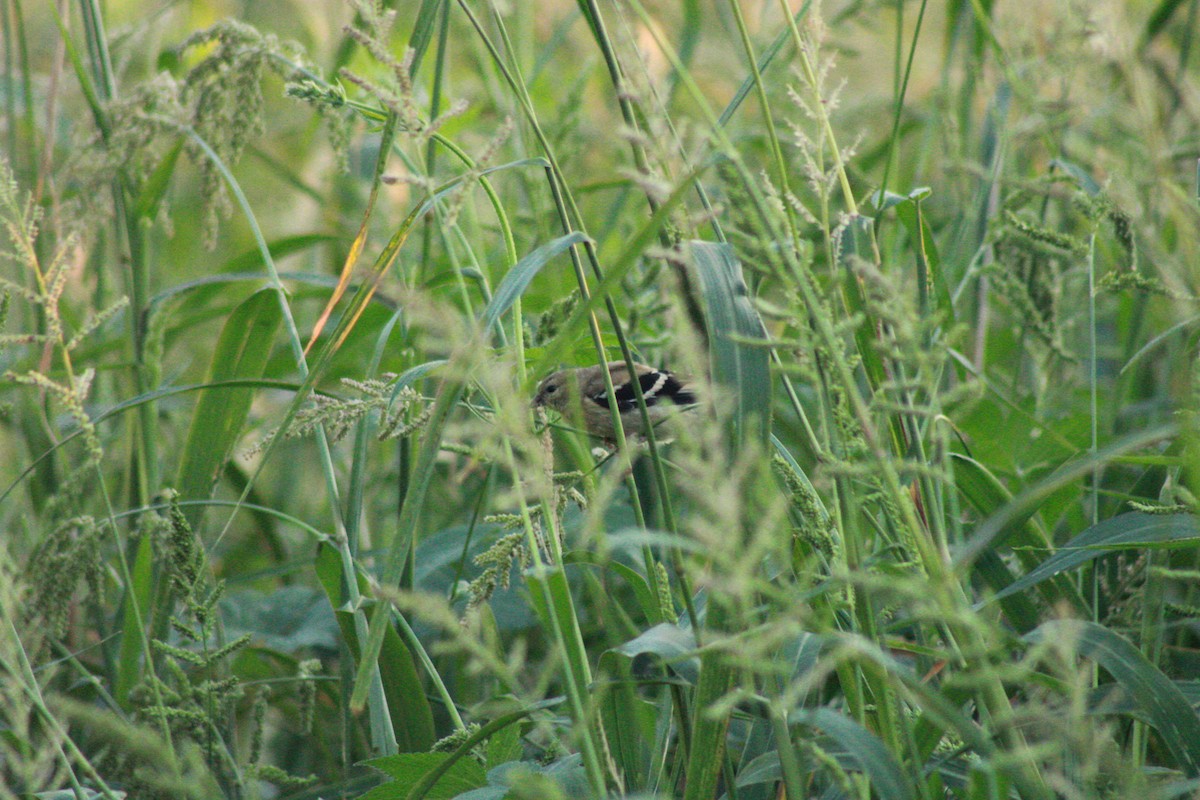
{"points": [[282, 278]]}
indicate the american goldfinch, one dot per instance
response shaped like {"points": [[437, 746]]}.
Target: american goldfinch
{"points": [[579, 395]]}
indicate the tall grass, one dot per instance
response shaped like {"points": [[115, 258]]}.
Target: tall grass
{"points": [[281, 523]]}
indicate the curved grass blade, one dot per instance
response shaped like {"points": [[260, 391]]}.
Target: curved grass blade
{"points": [[764, 60], [802, 477], [155, 188], [857, 241], [136, 402], [414, 374], [517, 279], [1156, 23], [862, 749], [646, 598], [360, 239], [986, 494], [1158, 340], [625, 262], [129, 665], [1135, 530], [317, 281], [1167, 708], [992, 531]]}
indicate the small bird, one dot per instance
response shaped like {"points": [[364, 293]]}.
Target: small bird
{"points": [[578, 394]]}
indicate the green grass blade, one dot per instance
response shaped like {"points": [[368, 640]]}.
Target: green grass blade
{"points": [[990, 532], [1171, 714], [986, 494], [929, 262], [463, 752], [1134, 530], [863, 750], [709, 731], [139, 595], [422, 32], [242, 351], [408, 707], [517, 279], [155, 187], [1158, 19], [741, 365], [737, 337], [646, 599], [858, 242], [628, 720]]}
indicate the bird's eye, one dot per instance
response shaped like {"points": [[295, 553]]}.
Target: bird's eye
{"points": [[551, 389]]}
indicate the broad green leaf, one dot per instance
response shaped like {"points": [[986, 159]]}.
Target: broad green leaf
{"points": [[737, 337], [408, 769], [1162, 702], [486, 793], [1112, 699], [242, 351], [1184, 789], [529, 779], [674, 645], [287, 619], [762, 769], [504, 746]]}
